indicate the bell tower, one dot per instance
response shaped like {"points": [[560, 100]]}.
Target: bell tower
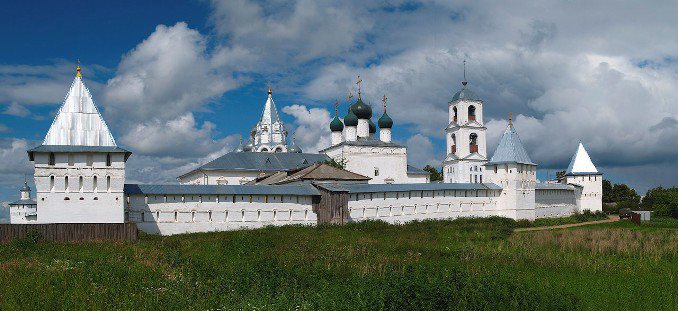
{"points": [[465, 135]]}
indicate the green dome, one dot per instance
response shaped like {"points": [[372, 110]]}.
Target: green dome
{"points": [[361, 110], [351, 119], [385, 122], [336, 125], [373, 128]]}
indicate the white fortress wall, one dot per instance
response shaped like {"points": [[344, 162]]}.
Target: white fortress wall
{"points": [[555, 201]]}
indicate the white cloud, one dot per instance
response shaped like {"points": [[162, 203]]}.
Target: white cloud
{"points": [[15, 109], [420, 152], [179, 138], [311, 128]]}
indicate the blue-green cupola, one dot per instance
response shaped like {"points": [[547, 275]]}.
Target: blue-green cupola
{"points": [[385, 122], [351, 119], [362, 110], [336, 125]]}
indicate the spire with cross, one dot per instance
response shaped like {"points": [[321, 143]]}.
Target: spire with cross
{"points": [[385, 98], [358, 83]]}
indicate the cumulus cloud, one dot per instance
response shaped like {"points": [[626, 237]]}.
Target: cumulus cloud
{"points": [[311, 129], [420, 152], [15, 109]]}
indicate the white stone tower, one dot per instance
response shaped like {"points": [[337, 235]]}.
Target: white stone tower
{"points": [[269, 135], [79, 170], [364, 114], [23, 211], [582, 172], [512, 169], [466, 144]]}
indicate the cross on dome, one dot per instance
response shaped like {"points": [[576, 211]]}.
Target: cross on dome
{"points": [[358, 83]]}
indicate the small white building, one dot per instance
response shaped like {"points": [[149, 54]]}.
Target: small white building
{"points": [[25, 210]]}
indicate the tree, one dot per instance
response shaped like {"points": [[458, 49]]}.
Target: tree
{"points": [[560, 175], [340, 164], [435, 174], [607, 191], [661, 200]]}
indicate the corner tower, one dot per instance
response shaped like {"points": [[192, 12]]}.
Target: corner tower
{"points": [[582, 172], [465, 135], [79, 169]]}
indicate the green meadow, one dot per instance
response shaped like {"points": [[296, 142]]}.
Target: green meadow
{"points": [[461, 264]]}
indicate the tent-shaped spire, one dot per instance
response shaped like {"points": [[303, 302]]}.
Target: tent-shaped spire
{"points": [[581, 163], [78, 122], [270, 114], [510, 149]]}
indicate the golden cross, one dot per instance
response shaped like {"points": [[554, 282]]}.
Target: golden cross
{"points": [[336, 107], [385, 98], [269, 88], [510, 119], [350, 99], [358, 83], [78, 69]]}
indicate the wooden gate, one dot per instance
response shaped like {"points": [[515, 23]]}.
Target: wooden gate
{"points": [[331, 207]]}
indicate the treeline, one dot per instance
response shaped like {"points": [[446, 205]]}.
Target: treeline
{"points": [[661, 200]]}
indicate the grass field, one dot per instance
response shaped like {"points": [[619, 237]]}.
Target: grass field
{"points": [[461, 264]]}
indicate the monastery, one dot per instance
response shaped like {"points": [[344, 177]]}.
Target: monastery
{"points": [[80, 176]]}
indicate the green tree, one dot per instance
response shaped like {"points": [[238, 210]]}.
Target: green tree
{"points": [[340, 164], [435, 174], [607, 191], [560, 174], [661, 200]]}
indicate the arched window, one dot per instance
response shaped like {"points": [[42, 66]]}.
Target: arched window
{"points": [[473, 142], [51, 159], [264, 150], [453, 149], [94, 184], [278, 149], [108, 159], [471, 112], [455, 113]]}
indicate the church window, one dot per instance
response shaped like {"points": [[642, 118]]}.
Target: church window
{"points": [[51, 159], [376, 171], [66, 199], [471, 112], [108, 159], [66, 183], [481, 179], [51, 183], [278, 149]]}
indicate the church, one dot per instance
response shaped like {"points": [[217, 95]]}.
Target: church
{"points": [[80, 176]]}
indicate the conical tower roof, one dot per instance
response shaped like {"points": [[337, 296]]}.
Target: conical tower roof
{"points": [[510, 149], [581, 163], [78, 122], [270, 113]]}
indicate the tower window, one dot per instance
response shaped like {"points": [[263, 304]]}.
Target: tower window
{"points": [[376, 171], [51, 159], [108, 183], [66, 183], [108, 159], [51, 183], [455, 113], [80, 183], [94, 184], [471, 112], [473, 142]]}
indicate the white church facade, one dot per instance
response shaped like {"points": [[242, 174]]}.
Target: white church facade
{"points": [[80, 177]]}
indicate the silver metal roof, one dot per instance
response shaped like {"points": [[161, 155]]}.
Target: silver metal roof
{"points": [[368, 142], [510, 149], [371, 188], [220, 189], [581, 163], [262, 161], [544, 186], [78, 121], [24, 202], [82, 149], [465, 93]]}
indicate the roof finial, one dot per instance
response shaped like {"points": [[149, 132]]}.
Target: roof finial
{"points": [[350, 100], [358, 83], [270, 91], [464, 82], [510, 119], [385, 98], [336, 107], [78, 69]]}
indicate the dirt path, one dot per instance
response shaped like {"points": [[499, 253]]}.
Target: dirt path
{"points": [[610, 218]]}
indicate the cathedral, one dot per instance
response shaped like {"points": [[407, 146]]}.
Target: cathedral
{"points": [[80, 176]]}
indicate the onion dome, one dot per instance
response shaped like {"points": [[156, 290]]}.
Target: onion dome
{"points": [[249, 146], [362, 110], [25, 187], [373, 128], [294, 148], [336, 125], [465, 93], [240, 147], [385, 122], [351, 119]]}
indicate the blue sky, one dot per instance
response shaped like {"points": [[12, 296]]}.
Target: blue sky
{"points": [[178, 83]]}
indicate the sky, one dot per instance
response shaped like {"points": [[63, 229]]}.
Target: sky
{"points": [[178, 83]]}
